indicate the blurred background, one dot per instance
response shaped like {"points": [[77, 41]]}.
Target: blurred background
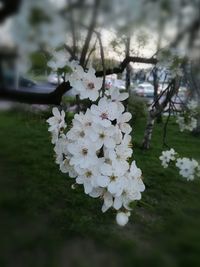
{"points": [[141, 46]]}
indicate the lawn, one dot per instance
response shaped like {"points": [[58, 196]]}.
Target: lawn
{"points": [[46, 224]]}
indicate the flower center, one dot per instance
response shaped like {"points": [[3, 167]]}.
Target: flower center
{"points": [[88, 123], [118, 156], [102, 136], [108, 161], [104, 116], [90, 85], [82, 134], [88, 174], [113, 177], [84, 151]]}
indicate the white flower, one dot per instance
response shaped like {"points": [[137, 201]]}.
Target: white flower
{"points": [[86, 84], [88, 177], [136, 172], [57, 121], [186, 122], [187, 168], [83, 153], [119, 157], [65, 167], [104, 136], [105, 112], [122, 122], [91, 176], [122, 218], [115, 181], [167, 156], [133, 186], [192, 104]]}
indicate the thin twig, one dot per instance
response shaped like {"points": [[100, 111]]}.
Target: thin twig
{"points": [[103, 63]]}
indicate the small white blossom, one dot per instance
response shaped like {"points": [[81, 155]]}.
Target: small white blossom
{"points": [[167, 156], [122, 218], [122, 122], [187, 168], [86, 84]]}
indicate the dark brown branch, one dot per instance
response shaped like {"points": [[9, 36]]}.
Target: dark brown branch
{"points": [[73, 32], [70, 51], [54, 97], [89, 34], [90, 53], [125, 62], [103, 63]]}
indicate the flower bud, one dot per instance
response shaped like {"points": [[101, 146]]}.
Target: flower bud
{"points": [[122, 218]]}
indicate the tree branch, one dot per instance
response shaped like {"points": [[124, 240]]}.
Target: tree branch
{"points": [[89, 34], [55, 97], [125, 62]]}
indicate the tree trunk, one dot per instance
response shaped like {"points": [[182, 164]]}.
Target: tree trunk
{"points": [[148, 131]]}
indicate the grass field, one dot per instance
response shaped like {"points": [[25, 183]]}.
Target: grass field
{"points": [[43, 223]]}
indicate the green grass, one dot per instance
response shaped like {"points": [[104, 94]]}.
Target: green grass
{"points": [[45, 223]]}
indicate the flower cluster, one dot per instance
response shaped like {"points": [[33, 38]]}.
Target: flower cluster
{"points": [[85, 84], [188, 168], [187, 120], [167, 156], [96, 150]]}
